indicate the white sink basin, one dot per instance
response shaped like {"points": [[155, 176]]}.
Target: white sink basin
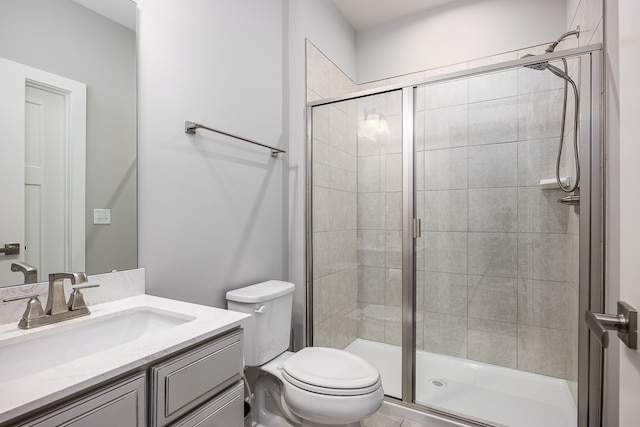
{"points": [[71, 340]]}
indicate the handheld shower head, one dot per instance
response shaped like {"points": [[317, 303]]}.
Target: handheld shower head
{"points": [[539, 66], [544, 65], [563, 74]]}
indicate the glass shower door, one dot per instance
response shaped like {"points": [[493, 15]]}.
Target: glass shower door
{"points": [[356, 238], [497, 263]]}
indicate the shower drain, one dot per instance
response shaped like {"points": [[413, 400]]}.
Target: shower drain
{"points": [[438, 382]]}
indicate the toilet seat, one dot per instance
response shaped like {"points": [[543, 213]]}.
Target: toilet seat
{"points": [[331, 372]]}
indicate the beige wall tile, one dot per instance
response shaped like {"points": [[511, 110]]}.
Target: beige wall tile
{"points": [[494, 121], [493, 209], [493, 165], [446, 127], [502, 84], [393, 286], [542, 256], [493, 342], [540, 212], [493, 298], [543, 304], [445, 293], [534, 125], [393, 210], [445, 169], [393, 325], [537, 161], [493, 254], [445, 252], [446, 94], [371, 248], [371, 285], [542, 351], [445, 334]]}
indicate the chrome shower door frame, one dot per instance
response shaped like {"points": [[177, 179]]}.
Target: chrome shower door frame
{"points": [[592, 248], [410, 231]]}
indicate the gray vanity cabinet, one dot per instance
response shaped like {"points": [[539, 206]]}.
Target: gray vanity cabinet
{"points": [[200, 387], [184, 382], [122, 404], [222, 411]]}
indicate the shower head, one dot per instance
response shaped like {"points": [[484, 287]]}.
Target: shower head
{"points": [[540, 66], [544, 65]]}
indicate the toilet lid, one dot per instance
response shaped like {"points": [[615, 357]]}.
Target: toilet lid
{"points": [[330, 371]]}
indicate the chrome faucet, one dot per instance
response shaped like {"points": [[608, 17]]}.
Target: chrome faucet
{"points": [[56, 302], [57, 309], [29, 271]]}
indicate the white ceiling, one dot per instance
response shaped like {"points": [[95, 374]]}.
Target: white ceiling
{"points": [[363, 14], [121, 11]]}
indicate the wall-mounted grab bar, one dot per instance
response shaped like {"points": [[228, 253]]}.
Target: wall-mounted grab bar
{"points": [[190, 128]]}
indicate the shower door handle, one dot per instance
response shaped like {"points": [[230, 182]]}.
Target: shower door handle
{"points": [[417, 228], [625, 323]]}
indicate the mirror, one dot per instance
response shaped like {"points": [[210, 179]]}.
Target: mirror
{"points": [[69, 41]]}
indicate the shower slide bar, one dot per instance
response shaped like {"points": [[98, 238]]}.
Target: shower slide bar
{"points": [[190, 128]]}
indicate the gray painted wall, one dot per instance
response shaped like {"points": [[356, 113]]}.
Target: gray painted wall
{"points": [[212, 209], [67, 39]]}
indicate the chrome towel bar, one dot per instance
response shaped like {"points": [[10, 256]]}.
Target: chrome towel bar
{"points": [[190, 128]]}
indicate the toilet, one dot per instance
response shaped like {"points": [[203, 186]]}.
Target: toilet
{"points": [[314, 387]]}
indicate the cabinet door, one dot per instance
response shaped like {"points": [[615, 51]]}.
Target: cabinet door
{"points": [[186, 381], [225, 410], [121, 404]]}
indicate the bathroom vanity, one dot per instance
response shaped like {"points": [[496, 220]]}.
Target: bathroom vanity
{"points": [[139, 361]]}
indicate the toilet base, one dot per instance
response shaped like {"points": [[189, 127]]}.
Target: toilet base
{"points": [[269, 409]]}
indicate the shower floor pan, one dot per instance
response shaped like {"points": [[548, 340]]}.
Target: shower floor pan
{"points": [[499, 395]]}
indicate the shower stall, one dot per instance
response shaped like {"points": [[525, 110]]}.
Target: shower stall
{"points": [[441, 248]]}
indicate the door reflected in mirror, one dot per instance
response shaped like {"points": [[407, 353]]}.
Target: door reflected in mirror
{"points": [[47, 142]]}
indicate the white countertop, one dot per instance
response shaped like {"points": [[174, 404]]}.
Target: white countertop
{"points": [[20, 396]]}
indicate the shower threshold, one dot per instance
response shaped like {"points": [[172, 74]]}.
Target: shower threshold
{"points": [[495, 394]]}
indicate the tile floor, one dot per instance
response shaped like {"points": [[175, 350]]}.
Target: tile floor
{"points": [[382, 420]]}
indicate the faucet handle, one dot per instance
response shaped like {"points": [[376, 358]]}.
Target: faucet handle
{"points": [[33, 311], [76, 300], [94, 285], [19, 297]]}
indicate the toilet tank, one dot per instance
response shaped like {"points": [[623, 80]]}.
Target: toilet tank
{"points": [[267, 331]]}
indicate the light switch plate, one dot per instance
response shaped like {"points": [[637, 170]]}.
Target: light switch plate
{"points": [[102, 216]]}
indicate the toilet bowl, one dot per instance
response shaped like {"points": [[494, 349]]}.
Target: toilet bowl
{"points": [[314, 387], [325, 386]]}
